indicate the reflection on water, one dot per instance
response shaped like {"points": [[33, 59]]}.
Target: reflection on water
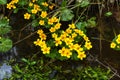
{"points": [[5, 71]]}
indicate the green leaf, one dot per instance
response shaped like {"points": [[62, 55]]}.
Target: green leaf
{"points": [[15, 10], [4, 26], [66, 14], [24, 60], [35, 23], [108, 14], [22, 2], [84, 3], [74, 56], [81, 25], [5, 44], [91, 22], [33, 62], [3, 1]]}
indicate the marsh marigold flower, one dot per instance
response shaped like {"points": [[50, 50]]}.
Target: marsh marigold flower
{"points": [[58, 41], [65, 52], [112, 45], [43, 36], [81, 55], [43, 14], [118, 40], [51, 7], [88, 45], [41, 22], [50, 21], [45, 4], [27, 16], [57, 26], [46, 50], [72, 25], [37, 7], [54, 35], [34, 1], [30, 4], [15, 1], [40, 31], [34, 11], [52, 29]]}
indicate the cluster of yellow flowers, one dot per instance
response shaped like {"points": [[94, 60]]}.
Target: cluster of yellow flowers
{"points": [[12, 4], [35, 8], [67, 40], [68, 37], [41, 42], [116, 42]]}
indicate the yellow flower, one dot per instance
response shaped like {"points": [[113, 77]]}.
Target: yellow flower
{"points": [[85, 38], [71, 46], [43, 14], [118, 40], [9, 6], [37, 7], [15, 1], [78, 48], [30, 4], [34, 1], [119, 36], [42, 44], [72, 25], [58, 41], [62, 51], [50, 21], [41, 22], [68, 41], [45, 4], [68, 53], [65, 52], [52, 29], [46, 50], [81, 55], [43, 36], [27, 16], [68, 31], [112, 45], [34, 11], [57, 26], [55, 19], [74, 35], [88, 45], [54, 35], [63, 36], [81, 33], [37, 42], [40, 31], [51, 7]]}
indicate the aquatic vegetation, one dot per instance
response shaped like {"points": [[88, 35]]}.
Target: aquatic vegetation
{"points": [[61, 32], [5, 42], [115, 44]]}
